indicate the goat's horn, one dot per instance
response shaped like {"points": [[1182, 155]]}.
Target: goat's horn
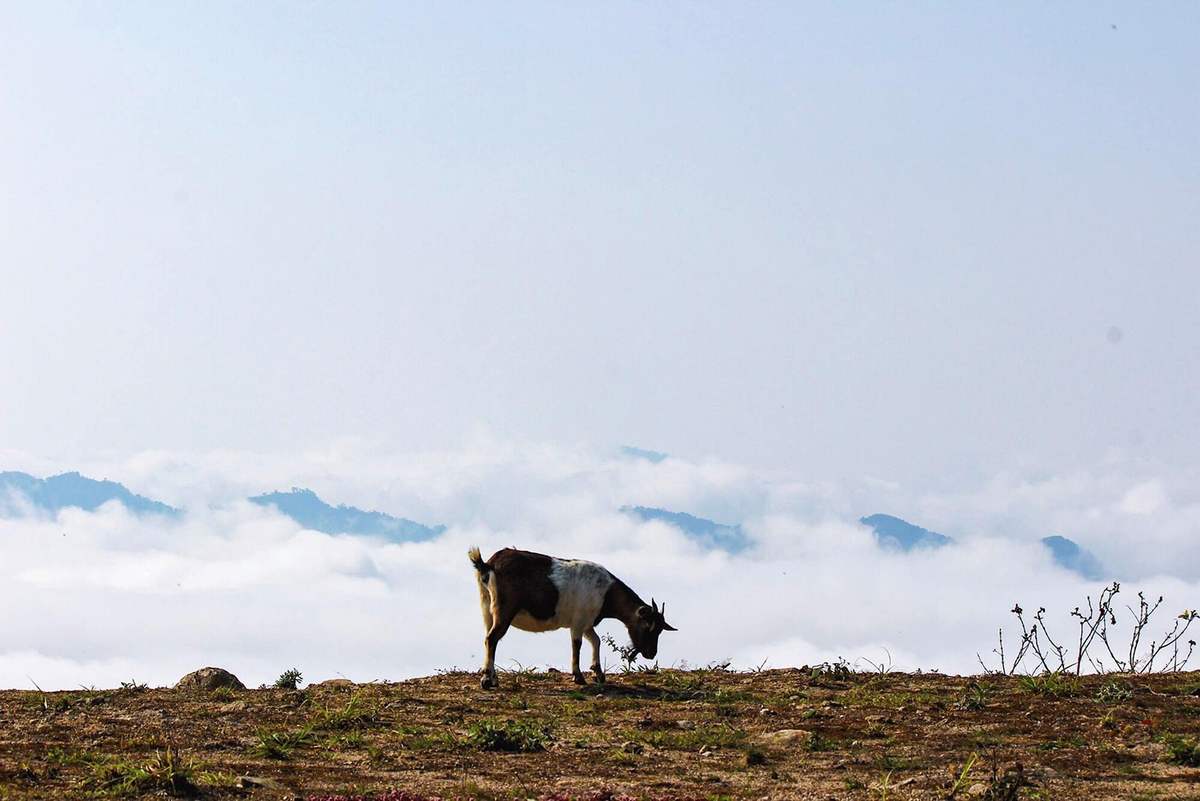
{"points": [[653, 605]]}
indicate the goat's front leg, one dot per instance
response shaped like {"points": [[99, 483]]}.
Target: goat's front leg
{"points": [[594, 640], [576, 642]]}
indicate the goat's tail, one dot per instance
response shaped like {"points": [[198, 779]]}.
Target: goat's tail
{"points": [[476, 559]]}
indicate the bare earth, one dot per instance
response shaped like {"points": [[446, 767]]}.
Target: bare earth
{"points": [[788, 734]]}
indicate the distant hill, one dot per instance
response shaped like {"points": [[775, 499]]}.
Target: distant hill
{"points": [[900, 535], [303, 506], [1069, 555], [642, 453], [706, 532], [71, 490]]}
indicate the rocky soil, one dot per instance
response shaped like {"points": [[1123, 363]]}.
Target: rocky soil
{"points": [[704, 734]]}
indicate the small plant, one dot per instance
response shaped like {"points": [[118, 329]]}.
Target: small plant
{"points": [[974, 697], [883, 667], [627, 653], [280, 744], [961, 780], [1056, 685], [884, 785], [133, 686], [289, 679], [1182, 750], [354, 715], [819, 742], [1114, 692], [1097, 646], [490, 734], [166, 772], [838, 671], [222, 694]]}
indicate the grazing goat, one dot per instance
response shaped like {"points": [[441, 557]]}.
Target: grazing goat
{"points": [[535, 592]]}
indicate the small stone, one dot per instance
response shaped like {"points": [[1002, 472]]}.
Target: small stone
{"points": [[335, 683], [685, 724], [232, 707], [631, 747], [247, 782], [1154, 751], [208, 679], [786, 737], [977, 790]]}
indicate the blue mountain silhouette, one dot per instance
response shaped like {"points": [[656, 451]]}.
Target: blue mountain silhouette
{"points": [[642, 453], [303, 506], [68, 490], [702, 530], [895, 534], [1069, 555]]}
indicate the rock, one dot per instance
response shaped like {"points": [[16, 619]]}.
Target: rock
{"points": [[786, 737], [335, 683], [1043, 773], [232, 707], [209, 679], [631, 747], [248, 782], [685, 724], [1152, 751], [977, 790]]}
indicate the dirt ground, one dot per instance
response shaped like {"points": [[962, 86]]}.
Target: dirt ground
{"points": [[704, 734]]}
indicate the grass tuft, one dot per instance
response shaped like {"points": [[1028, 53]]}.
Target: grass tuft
{"points": [[491, 734]]}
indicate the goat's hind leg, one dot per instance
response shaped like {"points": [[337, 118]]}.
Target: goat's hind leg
{"points": [[501, 620]]}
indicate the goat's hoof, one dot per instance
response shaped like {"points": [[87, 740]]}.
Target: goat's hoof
{"points": [[579, 679], [488, 683]]}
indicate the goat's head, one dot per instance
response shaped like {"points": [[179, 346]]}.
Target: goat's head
{"points": [[647, 625]]}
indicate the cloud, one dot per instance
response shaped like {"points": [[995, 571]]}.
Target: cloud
{"points": [[105, 596], [1144, 499]]}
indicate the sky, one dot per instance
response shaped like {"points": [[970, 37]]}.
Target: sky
{"points": [[933, 261], [837, 238]]}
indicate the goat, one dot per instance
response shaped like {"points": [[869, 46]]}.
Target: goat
{"points": [[535, 592]]}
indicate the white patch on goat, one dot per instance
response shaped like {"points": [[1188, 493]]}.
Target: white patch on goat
{"points": [[581, 589]]}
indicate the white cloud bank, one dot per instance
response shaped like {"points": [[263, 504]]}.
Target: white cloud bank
{"points": [[97, 598]]}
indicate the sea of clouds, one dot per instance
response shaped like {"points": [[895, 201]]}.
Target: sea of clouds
{"points": [[93, 599]]}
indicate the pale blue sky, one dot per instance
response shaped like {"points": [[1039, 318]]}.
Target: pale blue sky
{"points": [[843, 239]]}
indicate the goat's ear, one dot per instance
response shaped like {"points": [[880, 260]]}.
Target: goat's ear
{"points": [[668, 627]]}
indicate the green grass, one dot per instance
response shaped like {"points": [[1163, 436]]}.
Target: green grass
{"points": [[1063, 742], [356, 714], [166, 772], [1054, 685], [222, 694], [491, 734], [414, 738], [975, 696], [711, 737], [280, 744], [819, 742], [1182, 750]]}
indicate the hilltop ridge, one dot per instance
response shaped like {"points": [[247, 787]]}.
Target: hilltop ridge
{"points": [[797, 733]]}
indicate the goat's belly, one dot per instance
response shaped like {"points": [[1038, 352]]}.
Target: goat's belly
{"points": [[527, 622]]}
